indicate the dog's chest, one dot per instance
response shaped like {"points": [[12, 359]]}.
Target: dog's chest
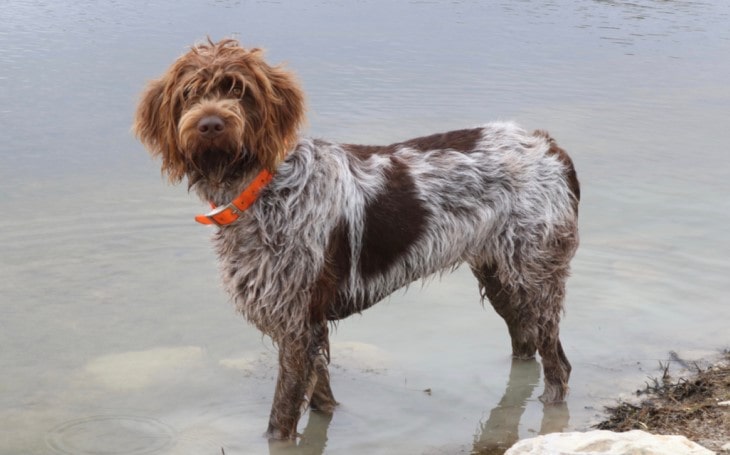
{"points": [[266, 268]]}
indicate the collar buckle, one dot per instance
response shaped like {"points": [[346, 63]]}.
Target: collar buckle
{"points": [[220, 216]]}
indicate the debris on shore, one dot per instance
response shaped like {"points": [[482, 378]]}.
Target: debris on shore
{"points": [[696, 406]]}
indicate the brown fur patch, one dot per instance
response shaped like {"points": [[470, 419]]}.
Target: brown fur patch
{"points": [[334, 274], [460, 140], [393, 222]]}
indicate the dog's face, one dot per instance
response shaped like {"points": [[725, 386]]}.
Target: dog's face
{"points": [[217, 105]]}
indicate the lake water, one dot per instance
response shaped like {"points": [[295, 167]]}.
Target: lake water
{"points": [[116, 337]]}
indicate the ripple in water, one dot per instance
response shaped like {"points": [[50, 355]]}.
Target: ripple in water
{"points": [[111, 435]]}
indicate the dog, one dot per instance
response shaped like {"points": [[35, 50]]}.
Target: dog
{"points": [[310, 232]]}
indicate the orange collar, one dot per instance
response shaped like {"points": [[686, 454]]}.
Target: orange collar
{"points": [[227, 214]]}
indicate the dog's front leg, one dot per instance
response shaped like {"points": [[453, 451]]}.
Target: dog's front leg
{"points": [[294, 386], [322, 398]]}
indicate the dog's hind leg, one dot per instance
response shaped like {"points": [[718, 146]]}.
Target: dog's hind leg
{"points": [[556, 367], [552, 268], [506, 301], [532, 307], [555, 364]]}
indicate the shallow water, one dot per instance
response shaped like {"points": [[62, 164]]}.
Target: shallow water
{"points": [[116, 337]]}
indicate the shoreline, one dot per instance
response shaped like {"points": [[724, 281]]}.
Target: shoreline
{"points": [[695, 404]]}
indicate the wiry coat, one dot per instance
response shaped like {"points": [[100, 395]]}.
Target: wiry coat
{"points": [[381, 218], [342, 226]]}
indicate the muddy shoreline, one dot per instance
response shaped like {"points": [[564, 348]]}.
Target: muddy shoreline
{"points": [[694, 403]]}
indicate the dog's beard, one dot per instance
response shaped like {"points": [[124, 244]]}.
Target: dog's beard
{"points": [[218, 167], [216, 161]]}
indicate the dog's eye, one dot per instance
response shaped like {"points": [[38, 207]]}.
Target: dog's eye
{"points": [[237, 91], [187, 93], [232, 87]]}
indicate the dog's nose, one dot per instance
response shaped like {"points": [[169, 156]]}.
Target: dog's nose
{"points": [[210, 126]]}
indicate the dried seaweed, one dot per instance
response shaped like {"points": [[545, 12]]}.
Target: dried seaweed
{"points": [[688, 406]]}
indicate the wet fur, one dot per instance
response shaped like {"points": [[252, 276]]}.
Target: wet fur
{"points": [[342, 226]]}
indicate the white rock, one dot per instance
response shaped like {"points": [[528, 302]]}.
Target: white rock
{"points": [[603, 442]]}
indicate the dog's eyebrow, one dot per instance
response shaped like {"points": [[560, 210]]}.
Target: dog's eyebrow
{"points": [[232, 82], [222, 80]]}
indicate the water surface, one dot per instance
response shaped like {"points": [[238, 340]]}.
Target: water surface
{"points": [[116, 337]]}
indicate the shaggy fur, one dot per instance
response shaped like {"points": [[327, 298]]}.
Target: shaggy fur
{"points": [[342, 226]]}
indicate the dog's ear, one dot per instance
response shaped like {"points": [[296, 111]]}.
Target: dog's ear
{"points": [[276, 114], [148, 120], [153, 127]]}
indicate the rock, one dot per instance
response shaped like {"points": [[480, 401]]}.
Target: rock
{"points": [[361, 356], [604, 442]]}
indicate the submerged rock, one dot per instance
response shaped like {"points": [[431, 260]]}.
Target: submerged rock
{"points": [[634, 442], [138, 369]]}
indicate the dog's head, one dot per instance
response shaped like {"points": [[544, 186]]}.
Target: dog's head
{"points": [[217, 105]]}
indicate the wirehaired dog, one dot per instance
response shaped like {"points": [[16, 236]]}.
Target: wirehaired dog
{"points": [[311, 231]]}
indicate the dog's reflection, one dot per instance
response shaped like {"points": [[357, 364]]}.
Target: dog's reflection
{"points": [[501, 430], [313, 439], [495, 435]]}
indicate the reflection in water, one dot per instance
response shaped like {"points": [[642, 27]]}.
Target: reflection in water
{"points": [[313, 439], [501, 430], [495, 436]]}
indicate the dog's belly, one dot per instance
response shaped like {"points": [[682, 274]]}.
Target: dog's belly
{"points": [[373, 289], [345, 305]]}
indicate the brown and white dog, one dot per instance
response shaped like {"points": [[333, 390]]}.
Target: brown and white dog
{"points": [[312, 231]]}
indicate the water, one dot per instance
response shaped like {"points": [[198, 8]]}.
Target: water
{"points": [[116, 337]]}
